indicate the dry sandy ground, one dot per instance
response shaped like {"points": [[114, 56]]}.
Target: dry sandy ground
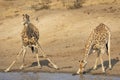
{"points": [[62, 35]]}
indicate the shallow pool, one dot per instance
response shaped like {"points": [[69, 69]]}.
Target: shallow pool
{"points": [[51, 76]]}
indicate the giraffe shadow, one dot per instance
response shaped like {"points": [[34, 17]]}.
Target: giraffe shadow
{"points": [[106, 64], [42, 63], [113, 62]]}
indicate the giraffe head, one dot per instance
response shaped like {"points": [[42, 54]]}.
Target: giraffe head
{"points": [[26, 19], [82, 65]]}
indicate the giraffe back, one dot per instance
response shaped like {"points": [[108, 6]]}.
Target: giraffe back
{"points": [[97, 39], [101, 35]]}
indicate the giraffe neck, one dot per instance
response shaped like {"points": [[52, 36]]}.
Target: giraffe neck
{"points": [[88, 46], [27, 24], [86, 54]]}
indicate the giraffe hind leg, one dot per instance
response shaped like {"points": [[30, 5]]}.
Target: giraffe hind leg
{"points": [[35, 50], [44, 55], [54, 65], [110, 66], [38, 61]]}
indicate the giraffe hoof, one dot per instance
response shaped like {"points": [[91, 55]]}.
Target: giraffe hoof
{"points": [[110, 68], [39, 67], [21, 67], [94, 68], [7, 70], [104, 71], [55, 66]]}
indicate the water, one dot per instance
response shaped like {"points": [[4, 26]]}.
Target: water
{"points": [[51, 76]]}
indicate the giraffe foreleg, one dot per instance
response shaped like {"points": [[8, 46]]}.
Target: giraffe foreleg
{"points": [[6, 70], [24, 53], [101, 60], [78, 71], [95, 66]]}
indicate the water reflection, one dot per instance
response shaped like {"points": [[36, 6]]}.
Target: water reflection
{"points": [[52, 76]]}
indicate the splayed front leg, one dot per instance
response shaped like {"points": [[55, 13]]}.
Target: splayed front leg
{"points": [[95, 66], [6, 70], [24, 53], [78, 72]]}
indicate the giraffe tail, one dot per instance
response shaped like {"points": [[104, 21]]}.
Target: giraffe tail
{"points": [[107, 48], [34, 49]]}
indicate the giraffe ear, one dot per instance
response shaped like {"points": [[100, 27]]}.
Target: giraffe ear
{"points": [[82, 61]]}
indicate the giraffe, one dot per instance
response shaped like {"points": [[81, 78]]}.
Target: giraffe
{"points": [[30, 37], [98, 42]]}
